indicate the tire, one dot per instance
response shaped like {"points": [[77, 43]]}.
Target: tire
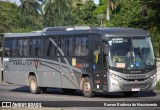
{"points": [[43, 89], [33, 85], [87, 88], [129, 94], [69, 91]]}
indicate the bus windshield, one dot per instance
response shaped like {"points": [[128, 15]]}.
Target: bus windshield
{"points": [[131, 53]]}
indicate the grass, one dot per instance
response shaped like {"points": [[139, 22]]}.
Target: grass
{"points": [[158, 85]]}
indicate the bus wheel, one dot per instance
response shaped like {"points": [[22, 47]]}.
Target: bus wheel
{"points": [[33, 85], [69, 91], [129, 94], [87, 87]]}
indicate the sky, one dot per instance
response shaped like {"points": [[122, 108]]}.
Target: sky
{"points": [[18, 1]]}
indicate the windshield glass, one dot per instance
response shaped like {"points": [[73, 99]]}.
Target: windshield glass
{"points": [[131, 53]]}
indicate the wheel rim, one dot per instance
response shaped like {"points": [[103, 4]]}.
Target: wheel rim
{"points": [[33, 85], [87, 87]]}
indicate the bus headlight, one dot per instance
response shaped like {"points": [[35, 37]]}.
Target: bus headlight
{"points": [[153, 76], [115, 76]]}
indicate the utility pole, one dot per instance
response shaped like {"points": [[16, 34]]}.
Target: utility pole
{"points": [[100, 20]]}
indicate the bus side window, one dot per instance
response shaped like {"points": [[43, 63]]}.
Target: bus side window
{"points": [[10, 47], [81, 46], [77, 46], [20, 47], [26, 47], [50, 48], [69, 46]]}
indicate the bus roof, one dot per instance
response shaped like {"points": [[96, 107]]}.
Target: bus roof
{"points": [[125, 32], [66, 30], [29, 34]]}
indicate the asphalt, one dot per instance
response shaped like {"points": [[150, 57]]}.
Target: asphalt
{"points": [[12, 92]]}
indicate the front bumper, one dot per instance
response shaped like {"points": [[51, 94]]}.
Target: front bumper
{"points": [[133, 85]]}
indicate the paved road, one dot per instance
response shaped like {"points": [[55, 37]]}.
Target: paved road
{"points": [[11, 92]]}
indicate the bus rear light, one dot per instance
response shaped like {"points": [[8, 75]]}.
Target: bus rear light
{"points": [[104, 82]]}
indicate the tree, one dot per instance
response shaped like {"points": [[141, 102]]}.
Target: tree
{"points": [[8, 16], [29, 15], [127, 15], [151, 17], [85, 15], [103, 11], [58, 12], [29, 7]]}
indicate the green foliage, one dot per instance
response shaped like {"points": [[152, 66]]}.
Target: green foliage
{"points": [[85, 14], [128, 14], [58, 13], [158, 85], [8, 16], [30, 7], [101, 8]]}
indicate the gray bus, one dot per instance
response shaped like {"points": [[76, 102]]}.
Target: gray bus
{"points": [[81, 58]]}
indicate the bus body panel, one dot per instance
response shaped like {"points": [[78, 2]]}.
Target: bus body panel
{"points": [[65, 71]]}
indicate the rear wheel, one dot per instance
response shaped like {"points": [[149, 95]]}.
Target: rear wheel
{"points": [[87, 87], [33, 85]]}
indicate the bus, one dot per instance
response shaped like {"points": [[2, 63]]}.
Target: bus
{"points": [[83, 58]]}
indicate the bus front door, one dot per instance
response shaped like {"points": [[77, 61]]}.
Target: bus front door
{"points": [[97, 68]]}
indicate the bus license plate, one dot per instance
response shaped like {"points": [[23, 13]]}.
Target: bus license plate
{"points": [[135, 89]]}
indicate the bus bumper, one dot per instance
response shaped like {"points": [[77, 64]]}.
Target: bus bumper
{"points": [[120, 85]]}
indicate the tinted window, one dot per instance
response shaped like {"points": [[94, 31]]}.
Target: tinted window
{"points": [[10, 47], [25, 47], [84, 46], [50, 47], [81, 47], [35, 47], [77, 46], [66, 46], [20, 47], [69, 46]]}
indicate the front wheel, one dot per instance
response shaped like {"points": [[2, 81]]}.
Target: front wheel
{"points": [[87, 87], [33, 85]]}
